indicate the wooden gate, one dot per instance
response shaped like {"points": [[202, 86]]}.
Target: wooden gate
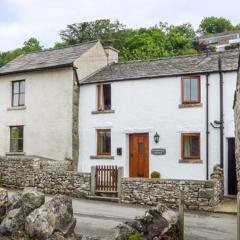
{"points": [[106, 179]]}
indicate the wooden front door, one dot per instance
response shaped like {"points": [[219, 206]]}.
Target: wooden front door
{"points": [[139, 155]]}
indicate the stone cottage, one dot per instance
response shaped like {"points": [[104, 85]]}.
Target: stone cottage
{"points": [[172, 115]]}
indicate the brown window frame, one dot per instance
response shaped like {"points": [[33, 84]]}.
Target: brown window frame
{"points": [[18, 93], [98, 140], [22, 138], [183, 135], [100, 98], [199, 89]]}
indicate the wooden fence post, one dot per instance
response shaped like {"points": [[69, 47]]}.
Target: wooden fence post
{"points": [[181, 215], [238, 216], [93, 180]]}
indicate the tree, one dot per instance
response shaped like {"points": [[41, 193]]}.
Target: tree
{"points": [[211, 25], [88, 31], [29, 46]]}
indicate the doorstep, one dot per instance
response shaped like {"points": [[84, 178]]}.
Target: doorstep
{"points": [[229, 205]]}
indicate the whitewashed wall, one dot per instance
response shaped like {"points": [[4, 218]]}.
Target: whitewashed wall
{"points": [[152, 105], [47, 118]]}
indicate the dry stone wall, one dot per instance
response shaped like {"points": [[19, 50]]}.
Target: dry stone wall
{"points": [[199, 195], [48, 176]]}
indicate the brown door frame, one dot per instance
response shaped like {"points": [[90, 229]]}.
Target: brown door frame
{"points": [[146, 134]]}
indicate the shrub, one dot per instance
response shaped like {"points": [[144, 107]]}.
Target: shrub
{"points": [[135, 236], [155, 174]]}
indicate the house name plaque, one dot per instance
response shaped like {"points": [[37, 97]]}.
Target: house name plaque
{"points": [[158, 151]]}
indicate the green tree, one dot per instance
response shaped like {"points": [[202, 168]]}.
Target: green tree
{"points": [[30, 45], [211, 25], [88, 31]]}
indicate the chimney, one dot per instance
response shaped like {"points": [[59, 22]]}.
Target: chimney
{"points": [[111, 52]]}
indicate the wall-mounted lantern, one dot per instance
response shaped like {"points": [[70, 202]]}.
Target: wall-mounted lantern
{"points": [[156, 138]]}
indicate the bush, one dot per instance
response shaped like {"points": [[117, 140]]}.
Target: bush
{"points": [[155, 174], [135, 236]]}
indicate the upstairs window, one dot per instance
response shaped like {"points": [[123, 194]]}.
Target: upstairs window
{"points": [[16, 139], [18, 93], [103, 142], [190, 146], [191, 90], [104, 97]]}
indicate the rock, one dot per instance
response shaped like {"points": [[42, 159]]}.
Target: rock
{"points": [[13, 222], [15, 201], [206, 193], [55, 215], [19, 207], [3, 202], [31, 199], [158, 223]]}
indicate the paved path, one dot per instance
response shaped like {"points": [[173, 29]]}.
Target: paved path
{"points": [[95, 218]]}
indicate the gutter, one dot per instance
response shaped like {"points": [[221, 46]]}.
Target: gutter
{"points": [[221, 113], [76, 74], [207, 125], [37, 69]]}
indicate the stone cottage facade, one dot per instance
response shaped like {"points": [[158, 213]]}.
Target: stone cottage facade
{"points": [[172, 115]]}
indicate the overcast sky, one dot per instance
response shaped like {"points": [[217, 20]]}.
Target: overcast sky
{"points": [[43, 19]]}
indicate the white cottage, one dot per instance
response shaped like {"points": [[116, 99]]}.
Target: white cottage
{"points": [[172, 115]]}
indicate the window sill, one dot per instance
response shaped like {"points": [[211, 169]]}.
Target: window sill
{"points": [[15, 153], [16, 108], [192, 105], [102, 157], [198, 161], [103, 111]]}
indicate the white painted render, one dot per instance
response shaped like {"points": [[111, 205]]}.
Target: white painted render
{"points": [[47, 118], [152, 105], [47, 115]]}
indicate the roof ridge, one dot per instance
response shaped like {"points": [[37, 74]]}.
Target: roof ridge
{"points": [[69, 46], [180, 56]]}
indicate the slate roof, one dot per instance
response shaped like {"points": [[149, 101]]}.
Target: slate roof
{"points": [[219, 34], [51, 58], [194, 64]]}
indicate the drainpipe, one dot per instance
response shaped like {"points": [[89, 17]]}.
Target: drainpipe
{"points": [[207, 125], [221, 111]]}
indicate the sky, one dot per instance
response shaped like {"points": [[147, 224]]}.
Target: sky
{"points": [[43, 19]]}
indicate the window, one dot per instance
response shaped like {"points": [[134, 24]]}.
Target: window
{"points": [[104, 97], [18, 93], [191, 90], [103, 142], [16, 139], [190, 145]]}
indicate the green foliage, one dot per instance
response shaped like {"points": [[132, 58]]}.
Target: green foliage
{"points": [[88, 31], [29, 46], [233, 46], [135, 236], [211, 25], [155, 174]]}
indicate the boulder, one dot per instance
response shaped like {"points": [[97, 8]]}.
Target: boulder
{"points": [[13, 222], [14, 201], [19, 207], [157, 223], [3, 202], [55, 215], [31, 199]]}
